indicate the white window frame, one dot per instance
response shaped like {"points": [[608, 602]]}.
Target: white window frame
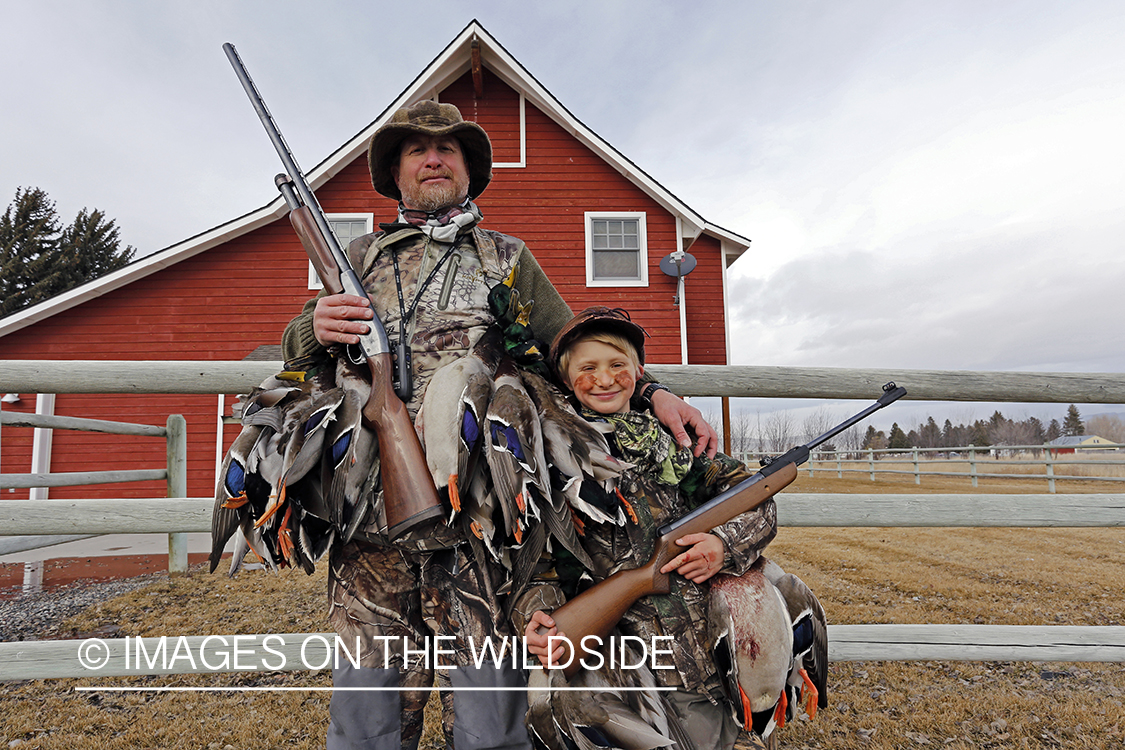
{"points": [[314, 280], [522, 163], [642, 250]]}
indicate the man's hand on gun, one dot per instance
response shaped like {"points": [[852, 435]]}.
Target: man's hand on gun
{"points": [[677, 415], [338, 319]]}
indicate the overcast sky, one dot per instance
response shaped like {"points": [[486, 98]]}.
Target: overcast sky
{"points": [[926, 185]]}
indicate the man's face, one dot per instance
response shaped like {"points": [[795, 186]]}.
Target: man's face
{"points": [[431, 172]]}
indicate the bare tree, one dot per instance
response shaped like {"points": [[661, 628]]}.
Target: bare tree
{"points": [[778, 431], [851, 439], [1011, 432], [742, 434], [1108, 426], [817, 423]]}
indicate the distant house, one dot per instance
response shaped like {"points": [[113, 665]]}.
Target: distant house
{"points": [[1069, 443], [228, 292]]}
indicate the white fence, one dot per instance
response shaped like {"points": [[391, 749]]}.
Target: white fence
{"points": [[174, 434], [979, 462], [30, 660]]}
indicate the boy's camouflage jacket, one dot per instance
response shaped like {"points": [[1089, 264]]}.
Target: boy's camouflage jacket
{"points": [[682, 613]]}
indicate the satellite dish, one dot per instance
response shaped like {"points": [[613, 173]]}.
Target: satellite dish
{"points": [[678, 263]]}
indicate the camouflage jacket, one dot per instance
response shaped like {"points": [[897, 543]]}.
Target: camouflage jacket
{"points": [[681, 614], [451, 315], [453, 310]]}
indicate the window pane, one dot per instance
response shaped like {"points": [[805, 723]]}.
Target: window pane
{"points": [[615, 245], [347, 230], [618, 265]]}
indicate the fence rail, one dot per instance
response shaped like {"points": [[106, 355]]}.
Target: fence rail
{"points": [[848, 642], [743, 381], [873, 462], [174, 432]]}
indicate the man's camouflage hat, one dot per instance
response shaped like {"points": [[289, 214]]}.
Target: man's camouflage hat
{"points": [[593, 319], [429, 118]]}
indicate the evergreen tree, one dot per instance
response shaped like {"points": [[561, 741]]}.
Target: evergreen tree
{"points": [[39, 258], [897, 438], [1054, 431], [948, 437], [1036, 431], [874, 439], [978, 433], [1072, 425], [929, 434], [868, 437]]}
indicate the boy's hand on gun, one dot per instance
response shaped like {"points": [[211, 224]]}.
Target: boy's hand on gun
{"points": [[537, 641], [703, 559]]}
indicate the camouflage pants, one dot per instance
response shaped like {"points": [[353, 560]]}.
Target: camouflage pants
{"points": [[393, 604]]}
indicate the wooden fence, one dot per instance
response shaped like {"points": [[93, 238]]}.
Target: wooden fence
{"points": [[979, 462], [175, 473], [29, 660]]}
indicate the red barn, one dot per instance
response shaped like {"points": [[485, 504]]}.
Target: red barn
{"points": [[181, 304]]}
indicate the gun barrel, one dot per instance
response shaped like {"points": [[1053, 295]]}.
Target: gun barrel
{"points": [[409, 495], [374, 342]]}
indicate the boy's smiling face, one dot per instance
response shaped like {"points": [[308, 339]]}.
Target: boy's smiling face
{"points": [[602, 376]]}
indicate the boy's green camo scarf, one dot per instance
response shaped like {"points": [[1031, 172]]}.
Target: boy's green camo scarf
{"points": [[646, 445]]}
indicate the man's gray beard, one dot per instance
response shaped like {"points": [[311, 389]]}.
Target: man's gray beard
{"points": [[435, 197]]}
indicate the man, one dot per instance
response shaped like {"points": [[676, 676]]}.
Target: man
{"points": [[428, 275]]}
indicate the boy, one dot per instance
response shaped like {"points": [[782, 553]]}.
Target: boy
{"points": [[599, 356]]}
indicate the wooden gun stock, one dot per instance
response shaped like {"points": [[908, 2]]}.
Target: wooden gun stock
{"points": [[596, 610], [409, 496]]}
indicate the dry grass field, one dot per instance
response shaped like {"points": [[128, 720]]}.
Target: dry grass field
{"points": [[990, 576]]}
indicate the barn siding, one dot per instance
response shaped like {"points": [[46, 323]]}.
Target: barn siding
{"points": [[223, 303], [705, 305]]}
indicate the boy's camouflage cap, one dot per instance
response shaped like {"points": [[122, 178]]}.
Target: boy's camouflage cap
{"points": [[428, 118], [613, 320]]}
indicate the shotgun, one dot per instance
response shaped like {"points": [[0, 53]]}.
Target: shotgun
{"points": [[409, 496], [594, 612]]}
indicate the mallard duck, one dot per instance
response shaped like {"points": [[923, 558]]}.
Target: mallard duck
{"points": [[503, 299], [280, 442], [452, 415], [350, 465], [582, 468], [514, 450], [770, 645], [601, 715], [230, 495], [753, 645]]}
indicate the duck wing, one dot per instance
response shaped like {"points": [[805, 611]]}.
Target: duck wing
{"points": [[810, 639], [514, 450]]}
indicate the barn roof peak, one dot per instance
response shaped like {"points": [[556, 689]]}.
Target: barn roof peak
{"points": [[472, 43]]}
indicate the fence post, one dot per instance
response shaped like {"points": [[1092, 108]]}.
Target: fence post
{"points": [[871, 460], [177, 487], [917, 473], [973, 465], [812, 465], [839, 467], [1050, 473]]}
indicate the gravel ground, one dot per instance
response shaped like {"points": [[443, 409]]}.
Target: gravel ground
{"points": [[37, 616]]}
